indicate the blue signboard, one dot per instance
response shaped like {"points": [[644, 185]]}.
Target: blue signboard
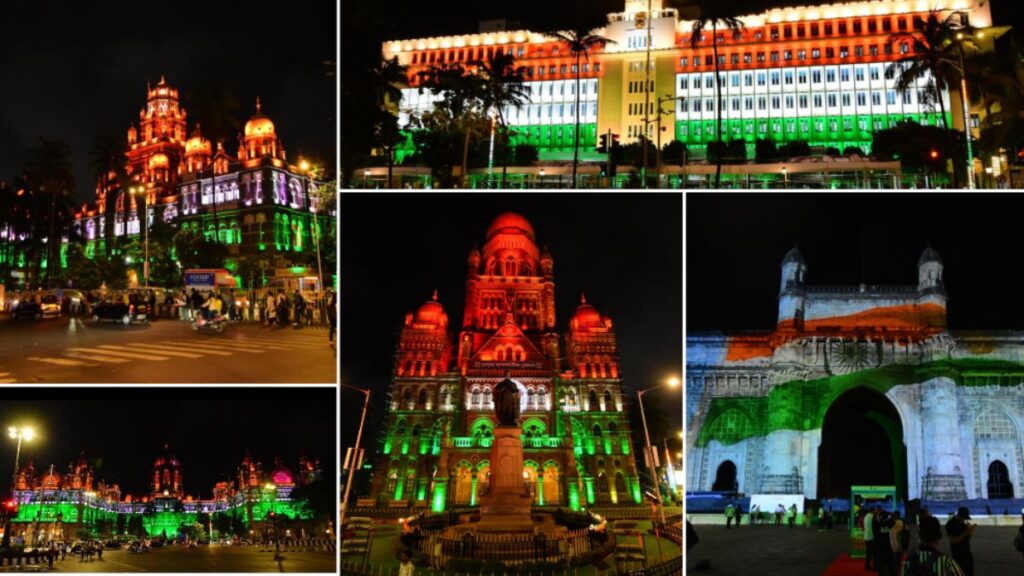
{"points": [[200, 278]]}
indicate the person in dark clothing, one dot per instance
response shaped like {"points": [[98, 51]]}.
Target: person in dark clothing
{"points": [[332, 315], [152, 305], [960, 532], [927, 559]]}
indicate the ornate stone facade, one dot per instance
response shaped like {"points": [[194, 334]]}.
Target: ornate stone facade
{"points": [[762, 401], [441, 421]]}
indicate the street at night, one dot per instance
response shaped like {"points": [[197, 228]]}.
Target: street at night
{"points": [[75, 349], [217, 559]]}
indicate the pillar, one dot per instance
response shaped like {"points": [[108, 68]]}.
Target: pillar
{"points": [[943, 479], [440, 491]]}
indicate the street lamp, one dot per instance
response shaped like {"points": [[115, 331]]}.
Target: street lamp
{"points": [[355, 453], [145, 225], [671, 383], [785, 178], [366, 178], [18, 434], [310, 171]]}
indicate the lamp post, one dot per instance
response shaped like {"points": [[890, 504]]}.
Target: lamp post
{"points": [[310, 170], [671, 383], [785, 178], [18, 434], [968, 136], [145, 225], [355, 453]]}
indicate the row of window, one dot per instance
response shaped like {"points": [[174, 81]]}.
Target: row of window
{"points": [[762, 128], [803, 101], [827, 29], [801, 76], [800, 54]]}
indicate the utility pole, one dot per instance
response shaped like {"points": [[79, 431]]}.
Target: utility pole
{"points": [[647, 92]]}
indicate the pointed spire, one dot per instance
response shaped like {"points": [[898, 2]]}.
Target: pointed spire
{"points": [[162, 80], [259, 106], [435, 295], [583, 298]]}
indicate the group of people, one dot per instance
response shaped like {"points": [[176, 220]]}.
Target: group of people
{"points": [[759, 517], [888, 551]]}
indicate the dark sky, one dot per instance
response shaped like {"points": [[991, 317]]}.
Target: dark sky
{"points": [[736, 242], [122, 430], [72, 70], [623, 250]]}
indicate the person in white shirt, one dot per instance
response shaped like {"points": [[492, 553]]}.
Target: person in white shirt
{"points": [[869, 544], [406, 568]]}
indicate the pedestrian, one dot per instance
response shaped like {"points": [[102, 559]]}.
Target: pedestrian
{"points": [[99, 551], [332, 315], [883, 547], [406, 568], [927, 559], [1018, 541], [899, 539], [870, 562], [821, 517], [960, 532], [739, 514], [152, 305], [729, 511], [270, 309], [792, 515], [779, 511]]}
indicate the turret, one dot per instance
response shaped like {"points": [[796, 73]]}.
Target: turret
{"points": [[929, 272], [791, 290]]}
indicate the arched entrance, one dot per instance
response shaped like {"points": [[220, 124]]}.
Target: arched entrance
{"points": [[999, 485], [725, 478], [861, 445]]}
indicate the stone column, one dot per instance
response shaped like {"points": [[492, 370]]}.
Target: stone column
{"points": [[943, 478]]}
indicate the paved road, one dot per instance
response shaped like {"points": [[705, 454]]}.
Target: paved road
{"points": [[770, 551], [202, 559], [70, 349]]}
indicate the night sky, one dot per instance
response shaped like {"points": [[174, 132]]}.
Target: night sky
{"points": [[736, 243], [623, 250], [122, 430], [72, 70]]}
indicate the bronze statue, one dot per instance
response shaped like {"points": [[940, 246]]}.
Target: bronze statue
{"points": [[506, 402]]}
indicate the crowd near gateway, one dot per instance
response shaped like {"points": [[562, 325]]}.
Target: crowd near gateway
{"points": [[857, 382], [51, 505], [269, 213], [577, 449], [816, 74]]}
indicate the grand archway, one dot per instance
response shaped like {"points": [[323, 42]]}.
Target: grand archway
{"points": [[725, 478], [861, 445]]}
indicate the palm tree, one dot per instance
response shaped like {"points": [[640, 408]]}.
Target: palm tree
{"points": [[50, 183], [934, 52], [108, 164], [579, 41], [462, 97], [715, 14], [387, 80], [504, 87], [999, 83]]}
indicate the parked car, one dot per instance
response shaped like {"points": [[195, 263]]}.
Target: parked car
{"points": [[116, 310]]}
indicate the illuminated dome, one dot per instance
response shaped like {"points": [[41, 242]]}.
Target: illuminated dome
{"points": [[159, 160], [259, 126], [586, 315], [198, 144], [510, 222], [282, 476], [432, 313]]}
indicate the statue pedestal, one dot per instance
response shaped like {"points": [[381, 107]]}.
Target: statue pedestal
{"points": [[506, 505]]}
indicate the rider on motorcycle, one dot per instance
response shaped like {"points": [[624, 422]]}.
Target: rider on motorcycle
{"points": [[212, 307]]}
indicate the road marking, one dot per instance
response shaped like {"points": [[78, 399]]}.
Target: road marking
{"points": [[264, 342], [97, 357], [196, 347], [241, 347], [169, 350], [62, 361], [132, 355]]}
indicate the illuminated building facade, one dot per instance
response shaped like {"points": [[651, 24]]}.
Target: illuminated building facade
{"points": [[265, 210], [812, 73], [55, 506], [862, 376], [440, 424]]}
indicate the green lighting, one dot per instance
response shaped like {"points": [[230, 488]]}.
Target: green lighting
{"points": [[589, 483], [574, 496], [636, 489], [439, 492]]}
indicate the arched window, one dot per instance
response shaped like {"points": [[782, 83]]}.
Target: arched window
{"points": [[597, 431], [524, 268], [510, 266], [407, 398], [594, 406], [446, 397], [730, 427], [620, 484], [542, 398], [608, 405], [999, 485], [613, 428], [476, 396], [602, 482], [488, 402], [531, 399], [422, 400]]}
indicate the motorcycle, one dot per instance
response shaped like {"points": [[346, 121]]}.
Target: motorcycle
{"points": [[216, 323]]}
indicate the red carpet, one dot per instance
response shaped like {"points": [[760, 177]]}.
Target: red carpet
{"points": [[843, 565]]}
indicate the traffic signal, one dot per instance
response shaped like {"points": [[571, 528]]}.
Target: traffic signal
{"points": [[10, 507], [603, 146], [934, 154], [641, 20]]}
